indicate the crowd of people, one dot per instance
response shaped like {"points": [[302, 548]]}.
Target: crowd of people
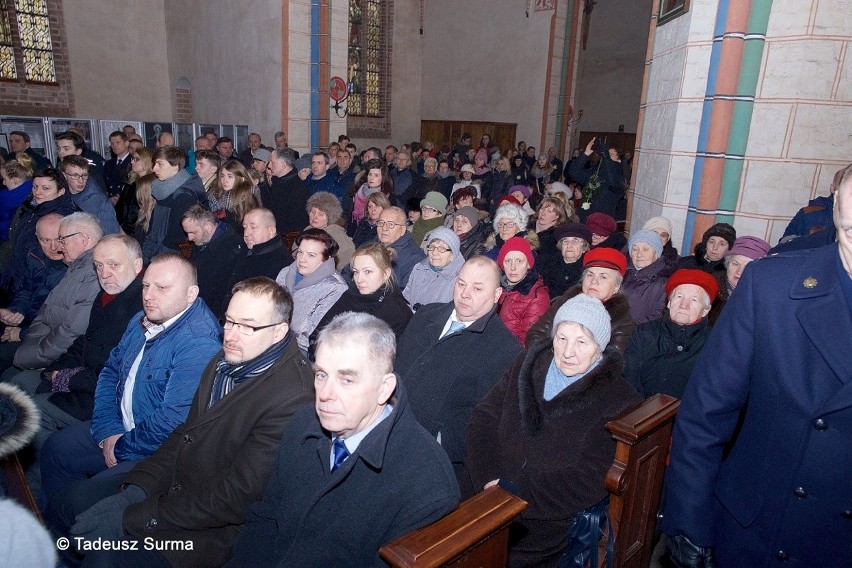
{"points": [[358, 336]]}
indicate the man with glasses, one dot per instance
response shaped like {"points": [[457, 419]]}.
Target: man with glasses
{"points": [[87, 194], [70, 143], [65, 313], [143, 392], [392, 230], [199, 490]]}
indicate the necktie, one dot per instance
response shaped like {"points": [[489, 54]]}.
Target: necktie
{"points": [[340, 453], [455, 326]]}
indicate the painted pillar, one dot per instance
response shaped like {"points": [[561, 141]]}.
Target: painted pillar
{"points": [[716, 121], [566, 85]]}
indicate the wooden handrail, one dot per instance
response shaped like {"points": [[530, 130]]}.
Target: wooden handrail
{"points": [[479, 524]]}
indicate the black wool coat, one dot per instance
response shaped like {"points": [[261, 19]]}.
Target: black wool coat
{"points": [[445, 379], [107, 324], [214, 263], [556, 452]]}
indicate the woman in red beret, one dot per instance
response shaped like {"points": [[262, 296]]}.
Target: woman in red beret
{"points": [[662, 352], [525, 297], [603, 274]]}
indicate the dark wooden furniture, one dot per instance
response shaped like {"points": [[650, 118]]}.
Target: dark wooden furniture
{"points": [[441, 132], [476, 533]]}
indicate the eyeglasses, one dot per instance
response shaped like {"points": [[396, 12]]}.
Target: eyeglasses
{"points": [[506, 225], [437, 248], [244, 329], [61, 240], [573, 241], [389, 224], [77, 176]]}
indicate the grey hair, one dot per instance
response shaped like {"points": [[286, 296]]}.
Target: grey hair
{"points": [[327, 203], [513, 213], [287, 155], [619, 279], [134, 249], [86, 222], [375, 334]]}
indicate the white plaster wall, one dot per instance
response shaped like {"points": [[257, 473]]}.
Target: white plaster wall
{"points": [[231, 54], [484, 61], [613, 64], [299, 75], [118, 71]]}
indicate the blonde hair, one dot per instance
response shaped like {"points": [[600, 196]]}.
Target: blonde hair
{"points": [[381, 255], [146, 156], [145, 200]]}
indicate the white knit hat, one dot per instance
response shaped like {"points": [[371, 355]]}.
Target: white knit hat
{"points": [[588, 312]]}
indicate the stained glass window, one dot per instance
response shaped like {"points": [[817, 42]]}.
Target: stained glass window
{"points": [[367, 57], [7, 52], [37, 48]]}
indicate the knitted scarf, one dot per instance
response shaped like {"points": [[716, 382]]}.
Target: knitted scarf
{"points": [[162, 189], [228, 376]]}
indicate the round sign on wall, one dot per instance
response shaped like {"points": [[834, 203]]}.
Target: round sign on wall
{"points": [[337, 89]]}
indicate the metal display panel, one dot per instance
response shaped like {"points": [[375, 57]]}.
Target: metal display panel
{"points": [[35, 127], [107, 127], [85, 127], [184, 136], [153, 131], [241, 132], [205, 128]]}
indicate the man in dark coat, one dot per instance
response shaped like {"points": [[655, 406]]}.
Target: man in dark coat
{"points": [[69, 395], [19, 141], [407, 253], [288, 195], [197, 485], [117, 167], [264, 253], [353, 473], [215, 248], [760, 458], [450, 355], [605, 181], [175, 191]]}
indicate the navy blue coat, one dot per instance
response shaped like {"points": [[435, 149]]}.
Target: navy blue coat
{"points": [[776, 377]]}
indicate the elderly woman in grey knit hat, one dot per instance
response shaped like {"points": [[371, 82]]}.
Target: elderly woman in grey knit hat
{"points": [[433, 278], [325, 212], [647, 272], [540, 430]]}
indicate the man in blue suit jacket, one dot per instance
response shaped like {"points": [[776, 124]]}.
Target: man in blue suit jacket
{"points": [[761, 456]]}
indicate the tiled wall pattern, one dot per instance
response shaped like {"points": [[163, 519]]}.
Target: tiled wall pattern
{"points": [[801, 128]]}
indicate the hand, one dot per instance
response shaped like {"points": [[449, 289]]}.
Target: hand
{"points": [[491, 483], [10, 318], [113, 199], [109, 450], [104, 518], [11, 335], [589, 146], [684, 554]]}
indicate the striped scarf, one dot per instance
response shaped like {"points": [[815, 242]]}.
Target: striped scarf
{"points": [[229, 376]]}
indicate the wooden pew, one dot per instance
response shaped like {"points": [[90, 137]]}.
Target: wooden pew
{"points": [[476, 533]]}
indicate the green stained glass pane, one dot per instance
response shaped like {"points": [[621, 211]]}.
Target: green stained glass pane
{"points": [[34, 31], [7, 63]]}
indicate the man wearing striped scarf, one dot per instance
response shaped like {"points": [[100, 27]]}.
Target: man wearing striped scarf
{"points": [[197, 486]]}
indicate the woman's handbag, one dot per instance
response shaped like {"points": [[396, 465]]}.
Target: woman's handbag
{"points": [[587, 528]]}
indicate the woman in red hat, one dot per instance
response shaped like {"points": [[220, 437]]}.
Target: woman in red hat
{"points": [[603, 273], [525, 297], [662, 352]]}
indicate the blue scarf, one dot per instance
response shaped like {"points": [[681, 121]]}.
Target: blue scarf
{"points": [[556, 381]]}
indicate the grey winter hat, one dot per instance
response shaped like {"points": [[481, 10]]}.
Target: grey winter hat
{"points": [[588, 312], [302, 164], [446, 235], [646, 236]]}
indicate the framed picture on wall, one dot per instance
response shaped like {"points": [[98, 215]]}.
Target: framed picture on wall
{"points": [[85, 127], [671, 9], [241, 133], [153, 131], [107, 127], [36, 129], [184, 136]]}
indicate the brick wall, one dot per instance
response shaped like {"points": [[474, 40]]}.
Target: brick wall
{"points": [[18, 97], [183, 105]]}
